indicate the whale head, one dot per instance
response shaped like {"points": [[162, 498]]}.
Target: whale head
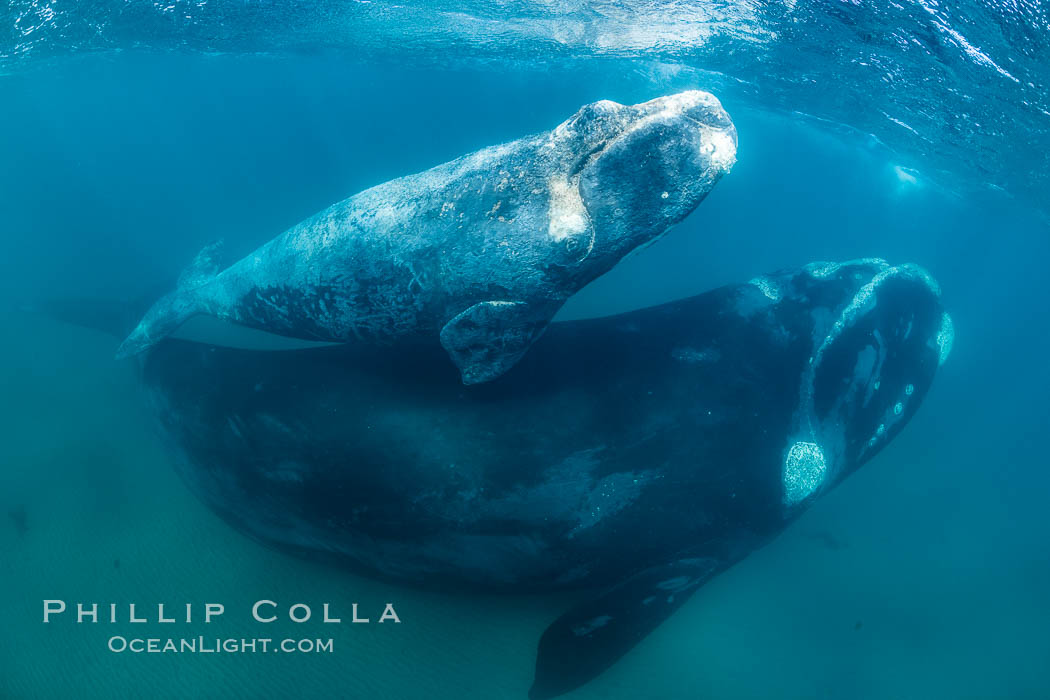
{"points": [[635, 170], [874, 357]]}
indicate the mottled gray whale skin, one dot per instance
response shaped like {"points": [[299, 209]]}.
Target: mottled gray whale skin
{"points": [[482, 250], [640, 454]]}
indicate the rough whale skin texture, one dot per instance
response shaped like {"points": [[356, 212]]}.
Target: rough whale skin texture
{"points": [[641, 453], [481, 251]]}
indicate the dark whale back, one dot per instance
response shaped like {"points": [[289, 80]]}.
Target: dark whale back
{"points": [[615, 443]]}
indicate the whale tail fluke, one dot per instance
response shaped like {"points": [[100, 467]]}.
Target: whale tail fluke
{"points": [[174, 309], [163, 319]]}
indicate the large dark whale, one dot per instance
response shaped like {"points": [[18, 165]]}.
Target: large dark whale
{"points": [[482, 250], [640, 454]]}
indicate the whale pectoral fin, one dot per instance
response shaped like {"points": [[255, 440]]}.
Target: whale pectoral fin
{"points": [[490, 337], [591, 637]]}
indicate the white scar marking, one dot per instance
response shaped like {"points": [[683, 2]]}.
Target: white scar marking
{"points": [[804, 470], [568, 217], [945, 338], [720, 148]]}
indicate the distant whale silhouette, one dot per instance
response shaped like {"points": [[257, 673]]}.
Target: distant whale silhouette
{"points": [[642, 453], [482, 250]]}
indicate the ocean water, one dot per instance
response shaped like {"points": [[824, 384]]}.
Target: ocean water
{"points": [[132, 134]]}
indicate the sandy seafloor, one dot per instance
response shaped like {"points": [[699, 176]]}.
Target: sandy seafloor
{"points": [[925, 575]]}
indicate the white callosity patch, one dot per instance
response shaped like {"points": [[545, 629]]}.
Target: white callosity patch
{"points": [[865, 297], [718, 143], [768, 287], [568, 216], [945, 338], [720, 149], [891, 417], [880, 432], [804, 470], [822, 270]]}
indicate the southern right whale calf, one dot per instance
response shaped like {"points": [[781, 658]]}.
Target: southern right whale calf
{"points": [[638, 455], [480, 252]]}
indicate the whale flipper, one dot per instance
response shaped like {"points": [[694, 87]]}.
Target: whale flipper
{"points": [[491, 336], [172, 310], [592, 636]]}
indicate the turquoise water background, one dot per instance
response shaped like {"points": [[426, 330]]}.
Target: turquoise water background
{"points": [[924, 575]]}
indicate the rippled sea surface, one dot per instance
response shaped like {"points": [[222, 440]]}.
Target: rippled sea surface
{"points": [[133, 133], [959, 87]]}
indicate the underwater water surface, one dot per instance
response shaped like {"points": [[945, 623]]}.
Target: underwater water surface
{"points": [[132, 134]]}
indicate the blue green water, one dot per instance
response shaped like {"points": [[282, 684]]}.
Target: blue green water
{"points": [[129, 139]]}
